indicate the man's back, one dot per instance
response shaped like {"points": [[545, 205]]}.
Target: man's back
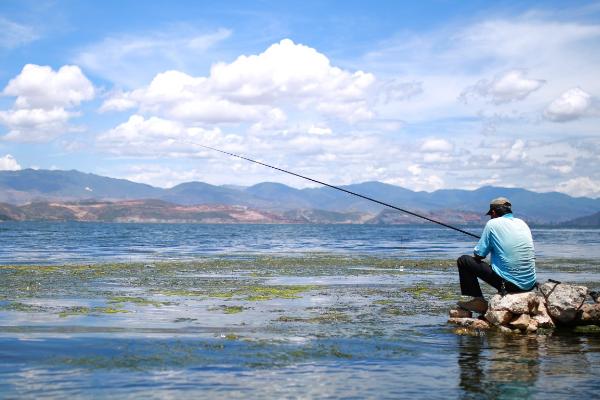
{"points": [[509, 241]]}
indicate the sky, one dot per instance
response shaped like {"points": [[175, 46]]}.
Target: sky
{"points": [[426, 95]]}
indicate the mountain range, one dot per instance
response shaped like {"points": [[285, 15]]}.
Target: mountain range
{"points": [[18, 188]]}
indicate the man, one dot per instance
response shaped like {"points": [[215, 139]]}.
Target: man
{"points": [[512, 268]]}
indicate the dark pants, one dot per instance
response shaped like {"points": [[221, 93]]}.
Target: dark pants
{"points": [[469, 269]]}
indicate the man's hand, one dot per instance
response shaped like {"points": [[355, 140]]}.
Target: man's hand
{"points": [[477, 257]]}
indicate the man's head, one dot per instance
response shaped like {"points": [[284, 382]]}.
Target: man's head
{"points": [[499, 207]]}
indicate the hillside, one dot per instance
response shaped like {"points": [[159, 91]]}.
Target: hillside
{"points": [[34, 186], [589, 221]]}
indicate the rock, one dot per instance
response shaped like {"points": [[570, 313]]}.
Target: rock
{"points": [[563, 301], [540, 314], [505, 329], [590, 313], [516, 303], [472, 323], [544, 321], [498, 317], [521, 322], [460, 313], [532, 327], [595, 296]]}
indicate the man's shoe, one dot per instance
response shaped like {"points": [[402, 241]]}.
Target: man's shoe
{"points": [[477, 305]]}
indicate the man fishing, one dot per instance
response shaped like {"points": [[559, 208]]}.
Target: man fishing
{"points": [[512, 268]]}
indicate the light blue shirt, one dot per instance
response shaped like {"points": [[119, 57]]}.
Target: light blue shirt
{"points": [[509, 241]]}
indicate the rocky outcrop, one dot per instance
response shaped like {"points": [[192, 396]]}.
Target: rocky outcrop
{"points": [[554, 304], [564, 301]]}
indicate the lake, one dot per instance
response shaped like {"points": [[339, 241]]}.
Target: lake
{"points": [[93, 310]]}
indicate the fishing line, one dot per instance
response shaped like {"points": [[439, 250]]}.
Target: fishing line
{"points": [[342, 190]]}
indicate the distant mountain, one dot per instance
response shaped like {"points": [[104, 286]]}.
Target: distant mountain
{"points": [[17, 187], [589, 221], [156, 211], [26, 186]]}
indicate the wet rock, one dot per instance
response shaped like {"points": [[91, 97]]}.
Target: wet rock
{"points": [[460, 313], [532, 327], [505, 329], [563, 301], [498, 317], [590, 313], [595, 296], [472, 323], [518, 303], [521, 322], [544, 321]]}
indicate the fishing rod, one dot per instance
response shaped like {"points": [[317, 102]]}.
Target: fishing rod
{"points": [[342, 190]]}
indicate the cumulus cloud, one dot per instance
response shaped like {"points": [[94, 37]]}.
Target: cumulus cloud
{"points": [[13, 34], [508, 87], [573, 104], [581, 186], [141, 137], [254, 88], [8, 163], [43, 96]]}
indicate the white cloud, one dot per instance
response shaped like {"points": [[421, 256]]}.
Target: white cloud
{"points": [[573, 104], [319, 130], [437, 146], [34, 125], [41, 87], [13, 34], [132, 60], [510, 86], [581, 186], [8, 163], [256, 88], [156, 136], [42, 98]]}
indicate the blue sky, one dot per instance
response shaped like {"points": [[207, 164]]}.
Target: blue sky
{"points": [[425, 95]]}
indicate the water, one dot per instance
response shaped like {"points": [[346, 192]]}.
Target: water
{"points": [[269, 311], [71, 242]]}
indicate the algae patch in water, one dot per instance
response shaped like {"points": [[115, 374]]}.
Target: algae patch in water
{"points": [[233, 309], [136, 300], [70, 311], [595, 329]]}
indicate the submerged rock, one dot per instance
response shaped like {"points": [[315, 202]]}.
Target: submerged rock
{"points": [[521, 322], [460, 313], [473, 323], [563, 301]]}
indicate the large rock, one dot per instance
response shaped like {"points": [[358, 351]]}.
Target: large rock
{"points": [[472, 323], [590, 313], [517, 303], [563, 301], [498, 317]]}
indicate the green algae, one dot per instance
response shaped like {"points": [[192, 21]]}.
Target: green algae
{"points": [[24, 307], [80, 310], [260, 293], [595, 329], [233, 309], [140, 301], [328, 317]]}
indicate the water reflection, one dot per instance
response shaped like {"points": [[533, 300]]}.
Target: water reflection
{"points": [[506, 367]]}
